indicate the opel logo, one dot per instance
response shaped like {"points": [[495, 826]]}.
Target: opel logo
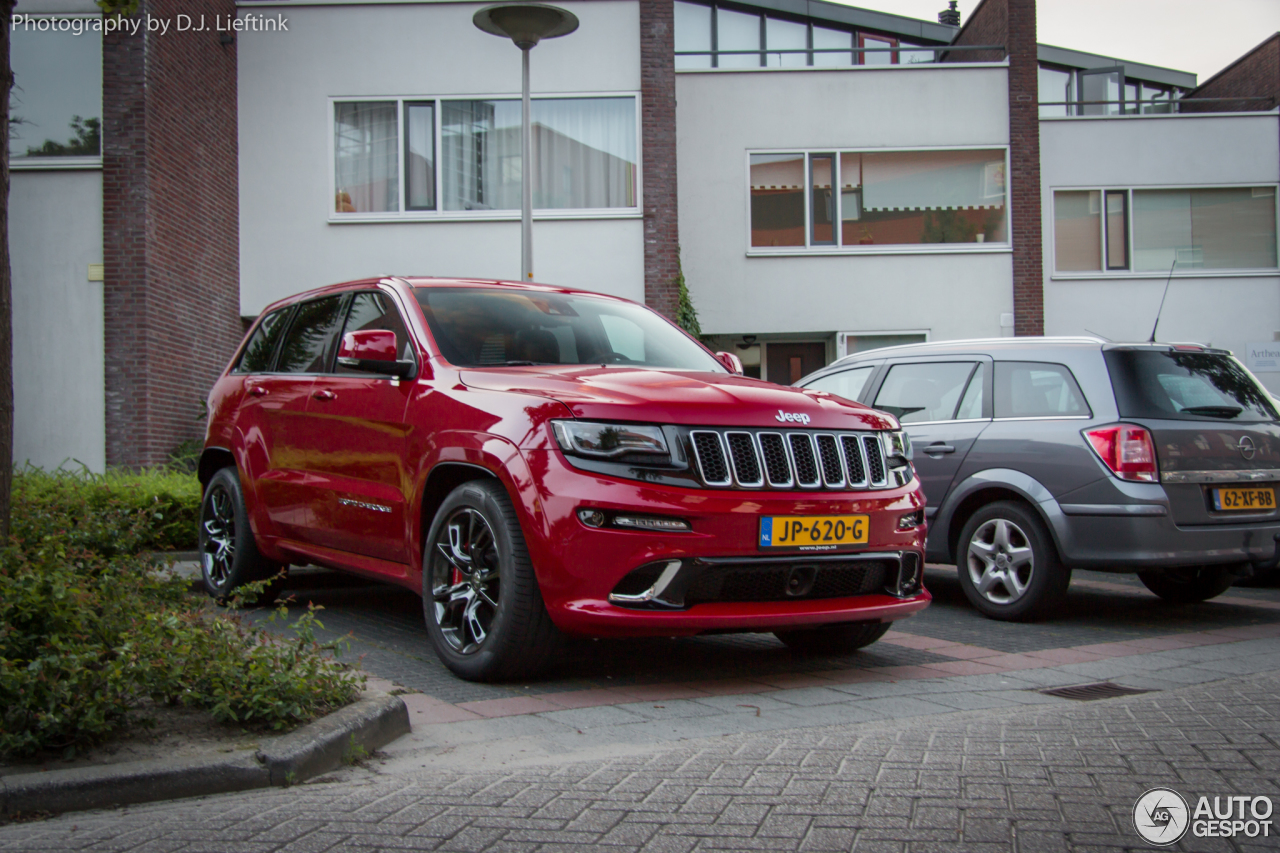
{"points": [[1246, 447]]}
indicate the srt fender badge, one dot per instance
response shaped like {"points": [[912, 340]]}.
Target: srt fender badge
{"points": [[792, 417]]}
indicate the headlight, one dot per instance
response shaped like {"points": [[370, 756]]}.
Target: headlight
{"points": [[897, 443], [604, 441]]}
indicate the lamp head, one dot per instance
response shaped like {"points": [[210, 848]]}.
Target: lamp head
{"points": [[526, 24]]}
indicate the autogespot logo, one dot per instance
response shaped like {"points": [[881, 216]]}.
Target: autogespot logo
{"points": [[1161, 816]]}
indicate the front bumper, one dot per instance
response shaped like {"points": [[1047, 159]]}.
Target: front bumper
{"points": [[578, 567]]}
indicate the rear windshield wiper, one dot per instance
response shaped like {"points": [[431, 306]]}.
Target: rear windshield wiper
{"points": [[1215, 411]]}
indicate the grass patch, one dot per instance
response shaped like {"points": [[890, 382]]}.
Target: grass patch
{"points": [[89, 629]]}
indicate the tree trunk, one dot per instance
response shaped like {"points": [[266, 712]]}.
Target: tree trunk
{"points": [[6, 288]]}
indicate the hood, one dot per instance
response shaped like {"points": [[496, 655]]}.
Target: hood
{"points": [[679, 397]]}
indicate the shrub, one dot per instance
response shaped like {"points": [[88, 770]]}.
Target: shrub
{"points": [[97, 511], [89, 628]]}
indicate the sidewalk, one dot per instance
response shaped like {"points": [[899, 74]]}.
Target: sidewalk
{"points": [[1060, 777]]}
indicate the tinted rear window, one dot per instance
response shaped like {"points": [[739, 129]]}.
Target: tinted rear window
{"points": [[1193, 386]]}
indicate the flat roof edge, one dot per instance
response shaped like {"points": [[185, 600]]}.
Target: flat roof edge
{"points": [[1142, 71]]}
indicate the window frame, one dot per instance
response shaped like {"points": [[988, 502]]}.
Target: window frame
{"points": [[811, 249], [403, 214], [1129, 273]]}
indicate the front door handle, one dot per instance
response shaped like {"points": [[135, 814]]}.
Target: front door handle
{"points": [[258, 391], [325, 394], [939, 448]]}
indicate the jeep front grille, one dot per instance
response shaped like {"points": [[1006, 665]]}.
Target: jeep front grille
{"points": [[752, 459]]}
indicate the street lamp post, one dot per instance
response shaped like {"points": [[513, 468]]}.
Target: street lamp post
{"points": [[526, 24]]}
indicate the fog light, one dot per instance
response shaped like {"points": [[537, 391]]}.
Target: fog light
{"points": [[591, 517], [649, 522], [911, 519]]}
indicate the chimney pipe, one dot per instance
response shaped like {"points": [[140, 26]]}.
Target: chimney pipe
{"points": [[951, 16]]}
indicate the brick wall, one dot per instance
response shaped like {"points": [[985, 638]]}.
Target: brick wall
{"points": [[658, 138], [1256, 74], [170, 228], [1012, 23]]}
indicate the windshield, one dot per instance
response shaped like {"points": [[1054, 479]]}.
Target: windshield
{"points": [[496, 327], [1186, 386]]}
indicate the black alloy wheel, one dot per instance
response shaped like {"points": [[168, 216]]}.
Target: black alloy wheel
{"points": [[229, 555]]}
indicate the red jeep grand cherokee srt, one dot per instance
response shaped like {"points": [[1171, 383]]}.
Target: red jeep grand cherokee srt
{"points": [[535, 460]]}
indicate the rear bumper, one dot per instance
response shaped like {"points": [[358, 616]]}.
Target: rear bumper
{"points": [[1131, 542]]}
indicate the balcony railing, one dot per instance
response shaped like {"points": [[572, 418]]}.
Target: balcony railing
{"points": [[906, 54], [1262, 103]]}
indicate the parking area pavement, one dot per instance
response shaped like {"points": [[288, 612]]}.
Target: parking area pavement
{"points": [[1062, 777]]}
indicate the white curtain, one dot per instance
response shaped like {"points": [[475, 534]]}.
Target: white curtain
{"points": [[480, 155], [365, 138]]}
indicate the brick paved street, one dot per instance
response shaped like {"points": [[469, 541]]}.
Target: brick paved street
{"points": [[936, 738], [1028, 779]]}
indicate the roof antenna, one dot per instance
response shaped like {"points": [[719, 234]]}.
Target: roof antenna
{"points": [[1161, 309]]}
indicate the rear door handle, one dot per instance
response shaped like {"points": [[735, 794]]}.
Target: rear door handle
{"points": [[258, 391], [939, 448], [325, 395]]}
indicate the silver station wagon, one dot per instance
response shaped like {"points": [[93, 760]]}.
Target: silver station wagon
{"points": [[1040, 455]]}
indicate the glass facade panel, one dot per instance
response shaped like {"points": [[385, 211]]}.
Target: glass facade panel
{"points": [[908, 57], [1077, 230], [786, 35], [1055, 86], [737, 31], [822, 196], [1096, 87], [420, 157], [1232, 228], [480, 155], [586, 152], [873, 54], [826, 39], [777, 199], [692, 32], [365, 147], [851, 201], [56, 102], [1117, 230]]}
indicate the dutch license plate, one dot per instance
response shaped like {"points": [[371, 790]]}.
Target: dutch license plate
{"points": [[812, 532], [1256, 500]]}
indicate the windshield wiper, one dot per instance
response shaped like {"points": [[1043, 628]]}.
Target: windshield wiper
{"points": [[521, 363], [1215, 411]]}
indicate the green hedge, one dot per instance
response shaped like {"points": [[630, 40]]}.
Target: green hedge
{"points": [[89, 627], [94, 511]]}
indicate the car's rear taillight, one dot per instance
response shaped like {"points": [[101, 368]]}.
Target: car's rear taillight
{"points": [[1127, 450]]}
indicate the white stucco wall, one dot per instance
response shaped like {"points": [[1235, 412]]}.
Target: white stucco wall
{"points": [[55, 232], [287, 243], [1136, 151], [722, 115]]}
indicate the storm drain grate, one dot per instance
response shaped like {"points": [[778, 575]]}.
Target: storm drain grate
{"points": [[1089, 692]]}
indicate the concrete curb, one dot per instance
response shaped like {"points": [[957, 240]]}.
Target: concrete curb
{"points": [[370, 722]]}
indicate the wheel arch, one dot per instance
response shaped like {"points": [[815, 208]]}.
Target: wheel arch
{"points": [[212, 460], [443, 479], [987, 487]]}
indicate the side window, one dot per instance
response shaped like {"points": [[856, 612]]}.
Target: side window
{"points": [[971, 403], [376, 311], [846, 383], [262, 344], [310, 341], [916, 393], [1025, 389]]}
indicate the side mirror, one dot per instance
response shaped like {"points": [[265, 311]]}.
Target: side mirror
{"points": [[731, 362], [374, 351]]}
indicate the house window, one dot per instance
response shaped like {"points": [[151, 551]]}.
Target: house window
{"points": [[585, 154], [1099, 91], [879, 198], [1151, 230], [711, 36], [56, 102]]}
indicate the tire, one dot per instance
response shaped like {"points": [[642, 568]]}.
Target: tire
{"points": [[229, 555], [1190, 584], [480, 598], [1009, 569], [834, 639]]}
